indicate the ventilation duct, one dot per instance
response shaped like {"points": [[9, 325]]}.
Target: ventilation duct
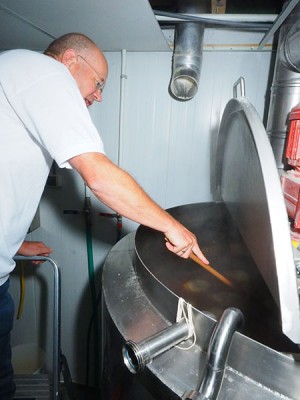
{"points": [[285, 90], [188, 48]]}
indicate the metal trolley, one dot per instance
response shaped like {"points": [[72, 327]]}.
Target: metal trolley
{"points": [[36, 387]]}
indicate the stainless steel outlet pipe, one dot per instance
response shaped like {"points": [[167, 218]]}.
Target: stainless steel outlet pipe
{"points": [[137, 355]]}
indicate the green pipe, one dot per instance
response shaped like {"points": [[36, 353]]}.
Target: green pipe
{"points": [[91, 270]]}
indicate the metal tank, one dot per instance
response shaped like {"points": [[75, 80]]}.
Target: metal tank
{"points": [[237, 341]]}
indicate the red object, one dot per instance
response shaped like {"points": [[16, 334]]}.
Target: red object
{"points": [[290, 182], [291, 179], [293, 143]]}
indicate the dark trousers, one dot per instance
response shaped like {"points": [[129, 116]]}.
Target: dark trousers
{"points": [[7, 386]]}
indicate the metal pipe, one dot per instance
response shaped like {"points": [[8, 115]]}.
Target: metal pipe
{"points": [[231, 320], [187, 60], [285, 90], [187, 56], [137, 355], [291, 47], [123, 79], [260, 22]]}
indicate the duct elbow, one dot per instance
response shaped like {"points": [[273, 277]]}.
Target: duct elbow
{"points": [[185, 80], [187, 60], [290, 51]]}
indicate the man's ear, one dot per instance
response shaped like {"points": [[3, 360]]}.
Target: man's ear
{"points": [[69, 57]]}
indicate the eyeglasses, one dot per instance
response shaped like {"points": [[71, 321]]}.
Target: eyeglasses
{"points": [[100, 83]]}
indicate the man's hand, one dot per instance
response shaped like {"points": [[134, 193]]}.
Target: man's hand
{"points": [[29, 248], [182, 242]]}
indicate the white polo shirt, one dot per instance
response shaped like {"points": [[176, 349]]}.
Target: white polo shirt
{"points": [[43, 117]]}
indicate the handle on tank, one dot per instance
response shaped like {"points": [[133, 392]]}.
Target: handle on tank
{"points": [[241, 82]]}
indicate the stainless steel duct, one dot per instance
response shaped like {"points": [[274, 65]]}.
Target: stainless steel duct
{"points": [[285, 90], [188, 47]]}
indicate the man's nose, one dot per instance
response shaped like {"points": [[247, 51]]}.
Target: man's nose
{"points": [[98, 95]]}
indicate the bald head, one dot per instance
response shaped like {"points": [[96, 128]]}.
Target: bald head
{"points": [[76, 41]]}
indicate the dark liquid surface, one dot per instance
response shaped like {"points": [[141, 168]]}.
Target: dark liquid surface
{"points": [[223, 246]]}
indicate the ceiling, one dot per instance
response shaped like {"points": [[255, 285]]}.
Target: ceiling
{"points": [[113, 24]]}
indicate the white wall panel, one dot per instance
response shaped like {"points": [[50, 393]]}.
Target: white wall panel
{"points": [[106, 114], [147, 121], [166, 147]]}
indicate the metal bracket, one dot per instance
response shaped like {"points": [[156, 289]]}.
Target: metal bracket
{"points": [[278, 22]]}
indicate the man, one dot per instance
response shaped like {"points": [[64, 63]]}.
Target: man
{"points": [[44, 116]]}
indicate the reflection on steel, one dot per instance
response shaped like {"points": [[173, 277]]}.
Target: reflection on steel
{"points": [[218, 349], [138, 355]]}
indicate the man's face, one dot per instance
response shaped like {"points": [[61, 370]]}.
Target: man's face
{"points": [[90, 72]]}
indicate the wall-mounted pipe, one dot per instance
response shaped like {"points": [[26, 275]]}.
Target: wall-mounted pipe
{"points": [[123, 79], [187, 56], [137, 355], [285, 90], [208, 388]]}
